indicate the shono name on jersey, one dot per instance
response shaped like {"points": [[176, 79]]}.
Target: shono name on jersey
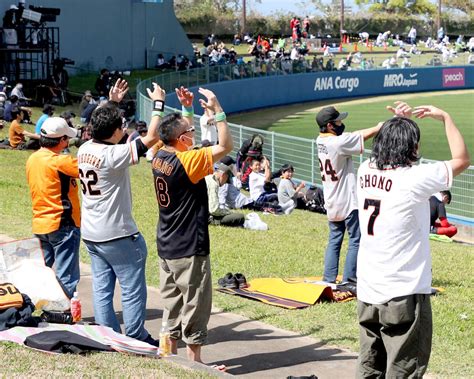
{"points": [[162, 166], [89, 159], [322, 149], [375, 181]]}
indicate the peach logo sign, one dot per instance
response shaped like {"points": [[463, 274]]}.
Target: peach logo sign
{"points": [[453, 77]]}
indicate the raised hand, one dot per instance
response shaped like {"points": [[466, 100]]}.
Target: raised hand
{"points": [[401, 109], [157, 94], [118, 91], [430, 111], [211, 101], [185, 96]]}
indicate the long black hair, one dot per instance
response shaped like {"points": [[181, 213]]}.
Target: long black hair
{"points": [[396, 144]]}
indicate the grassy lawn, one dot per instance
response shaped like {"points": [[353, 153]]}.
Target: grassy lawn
{"points": [[299, 119], [293, 246]]}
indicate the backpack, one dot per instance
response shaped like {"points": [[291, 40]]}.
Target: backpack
{"points": [[314, 199]]}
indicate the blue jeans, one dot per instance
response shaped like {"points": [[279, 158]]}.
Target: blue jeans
{"points": [[123, 259], [333, 250], [61, 249]]}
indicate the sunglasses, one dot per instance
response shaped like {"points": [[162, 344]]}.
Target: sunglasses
{"points": [[190, 130]]}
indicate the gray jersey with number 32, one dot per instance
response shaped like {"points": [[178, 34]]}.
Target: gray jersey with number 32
{"points": [[106, 191]]}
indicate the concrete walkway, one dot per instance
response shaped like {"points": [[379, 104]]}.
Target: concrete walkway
{"points": [[248, 348]]}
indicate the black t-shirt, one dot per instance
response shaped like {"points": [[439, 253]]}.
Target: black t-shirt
{"points": [[181, 193], [437, 209]]}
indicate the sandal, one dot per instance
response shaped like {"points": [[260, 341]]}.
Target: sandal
{"points": [[228, 281], [221, 368]]}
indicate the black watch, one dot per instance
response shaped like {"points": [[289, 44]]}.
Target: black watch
{"points": [[158, 105]]}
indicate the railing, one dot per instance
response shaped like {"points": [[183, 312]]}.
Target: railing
{"points": [[282, 148]]}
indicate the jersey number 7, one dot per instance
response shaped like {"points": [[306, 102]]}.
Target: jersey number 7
{"points": [[376, 204]]}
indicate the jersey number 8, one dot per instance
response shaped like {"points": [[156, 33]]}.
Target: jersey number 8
{"points": [[162, 192]]}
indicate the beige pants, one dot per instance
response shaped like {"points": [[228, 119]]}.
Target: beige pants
{"points": [[186, 289]]}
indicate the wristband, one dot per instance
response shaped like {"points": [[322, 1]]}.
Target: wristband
{"points": [[158, 105], [220, 117], [157, 114], [187, 111]]}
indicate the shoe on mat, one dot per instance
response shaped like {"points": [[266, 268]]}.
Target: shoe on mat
{"points": [[228, 281], [241, 280], [56, 317]]}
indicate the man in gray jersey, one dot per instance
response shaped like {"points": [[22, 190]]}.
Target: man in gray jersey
{"points": [[116, 247], [335, 150]]}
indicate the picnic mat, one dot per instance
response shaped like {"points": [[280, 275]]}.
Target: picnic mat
{"points": [[296, 293], [290, 293], [98, 333]]}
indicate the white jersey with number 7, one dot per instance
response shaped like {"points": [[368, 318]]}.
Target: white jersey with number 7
{"points": [[394, 217]]}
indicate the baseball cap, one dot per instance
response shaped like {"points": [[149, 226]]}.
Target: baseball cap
{"points": [[228, 160], [225, 170], [68, 114], [88, 93], [56, 127], [328, 114]]}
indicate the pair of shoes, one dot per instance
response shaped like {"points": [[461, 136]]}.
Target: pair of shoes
{"points": [[56, 317], [233, 281], [150, 340]]}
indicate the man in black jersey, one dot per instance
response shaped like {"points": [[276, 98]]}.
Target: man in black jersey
{"points": [[182, 236]]}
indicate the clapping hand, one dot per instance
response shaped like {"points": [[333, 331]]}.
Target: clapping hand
{"points": [[211, 101], [118, 91], [401, 109], [157, 94], [185, 96], [424, 111]]}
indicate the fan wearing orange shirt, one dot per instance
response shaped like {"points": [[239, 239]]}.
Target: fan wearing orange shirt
{"points": [[54, 194]]}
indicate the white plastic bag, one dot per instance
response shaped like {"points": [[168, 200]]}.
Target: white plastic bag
{"points": [[254, 222]]}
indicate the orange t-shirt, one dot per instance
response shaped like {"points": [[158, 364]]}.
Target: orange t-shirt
{"points": [[54, 190], [15, 134]]}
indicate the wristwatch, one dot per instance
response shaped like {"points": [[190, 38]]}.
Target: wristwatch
{"points": [[158, 105]]}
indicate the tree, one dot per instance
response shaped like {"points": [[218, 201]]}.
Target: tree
{"points": [[465, 6], [401, 7]]}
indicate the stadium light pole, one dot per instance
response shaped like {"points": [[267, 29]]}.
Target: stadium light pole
{"points": [[439, 16], [342, 20], [244, 17]]}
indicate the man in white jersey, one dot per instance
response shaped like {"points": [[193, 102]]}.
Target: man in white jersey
{"points": [[335, 150], [394, 262], [116, 247]]}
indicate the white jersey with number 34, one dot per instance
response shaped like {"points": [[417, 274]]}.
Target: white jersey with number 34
{"points": [[394, 216], [337, 172]]}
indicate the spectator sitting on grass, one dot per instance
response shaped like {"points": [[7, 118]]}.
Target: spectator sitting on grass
{"points": [[141, 130], [16, 134], [438, 212], [48, 111], [219, 213], [288, 192], [257, 181]]}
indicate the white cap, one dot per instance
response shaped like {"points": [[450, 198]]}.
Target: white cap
{"points": [[56, 127]]}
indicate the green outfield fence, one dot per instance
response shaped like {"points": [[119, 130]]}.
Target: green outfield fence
{"points": [[282, 148]]}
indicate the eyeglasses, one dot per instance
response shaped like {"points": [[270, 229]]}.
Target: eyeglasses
{"points": [[189, 130]]}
